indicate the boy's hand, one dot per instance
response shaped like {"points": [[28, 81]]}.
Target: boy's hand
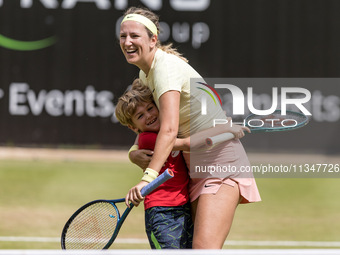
{"points": [[141, 158], [134, 196]]}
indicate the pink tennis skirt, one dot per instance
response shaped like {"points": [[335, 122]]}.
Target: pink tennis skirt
{"points": [[227, 163]]}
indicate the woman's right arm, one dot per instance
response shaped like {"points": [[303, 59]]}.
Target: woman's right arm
{"points": [[197, 141]]}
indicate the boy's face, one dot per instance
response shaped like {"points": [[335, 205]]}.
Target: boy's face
{"points": [[146, 118]]}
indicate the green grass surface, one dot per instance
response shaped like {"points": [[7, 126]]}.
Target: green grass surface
{"points": [[37, 197]]}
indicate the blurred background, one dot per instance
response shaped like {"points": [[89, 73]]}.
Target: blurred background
{"points": [[62, 70]]}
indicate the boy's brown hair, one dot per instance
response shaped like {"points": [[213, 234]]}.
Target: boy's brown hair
{"points": [[130, 100]]}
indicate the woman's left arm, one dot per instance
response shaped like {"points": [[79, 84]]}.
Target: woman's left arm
{"points": [[169, 117]]}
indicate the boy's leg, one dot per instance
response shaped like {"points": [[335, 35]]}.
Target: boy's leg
{"points": [[169, 227], [149, 218], [188, 228]]}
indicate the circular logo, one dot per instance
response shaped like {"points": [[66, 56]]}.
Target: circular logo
{"points": [[174, 154]]}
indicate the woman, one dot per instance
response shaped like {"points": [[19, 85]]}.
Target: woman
{"points": [[214, 198]]}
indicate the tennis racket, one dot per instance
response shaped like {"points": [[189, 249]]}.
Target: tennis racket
{"points": [[96, 224], [265, 123]]}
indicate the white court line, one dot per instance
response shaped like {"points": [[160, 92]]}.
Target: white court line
{"points": [[284, 243], [173, 252], [315, 244], [57, 239]]}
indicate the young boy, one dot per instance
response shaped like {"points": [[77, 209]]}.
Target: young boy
{"points": [[167, 210]]}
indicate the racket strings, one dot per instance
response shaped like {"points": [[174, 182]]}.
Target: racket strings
{"points": [[93, 227]]}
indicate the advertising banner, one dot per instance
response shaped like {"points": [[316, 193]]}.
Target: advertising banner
{"points": [[62, 69]]}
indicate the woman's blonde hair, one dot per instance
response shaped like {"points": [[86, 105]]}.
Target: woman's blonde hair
{"points": [[155, 19], [130, 100]]}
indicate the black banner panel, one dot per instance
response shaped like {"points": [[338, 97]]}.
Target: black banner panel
{"points": [[62, 70]]}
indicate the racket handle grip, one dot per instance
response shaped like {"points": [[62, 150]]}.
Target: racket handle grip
{"points": [[212, 141], [168, 174]]}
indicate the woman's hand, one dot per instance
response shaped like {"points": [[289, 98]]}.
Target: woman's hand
{"points": [[238, 131], [141, 158], [134, 196]]}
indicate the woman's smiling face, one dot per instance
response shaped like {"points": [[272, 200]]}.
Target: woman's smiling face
{"points": [[136, 44]]}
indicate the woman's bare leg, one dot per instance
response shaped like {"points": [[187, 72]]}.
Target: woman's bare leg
{"points": [[213, 217]]}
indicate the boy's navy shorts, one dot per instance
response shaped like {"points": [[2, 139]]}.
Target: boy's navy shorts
{"points": [[169, 227]]}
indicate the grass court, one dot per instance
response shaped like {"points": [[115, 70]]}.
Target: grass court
{"points": [[39, 195]]}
